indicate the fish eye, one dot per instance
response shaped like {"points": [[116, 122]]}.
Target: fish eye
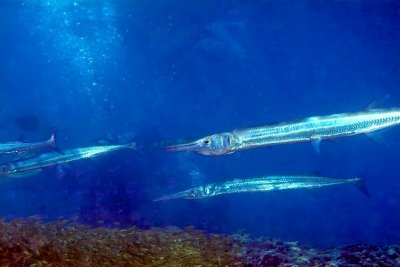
{"points": [[207, 141]]}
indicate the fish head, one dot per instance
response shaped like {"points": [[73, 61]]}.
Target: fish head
{"points": [[196, 193], [213, 145]]}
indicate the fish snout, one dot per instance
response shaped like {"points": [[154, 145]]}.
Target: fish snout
{"points": [[214, 145], [192, 146], [183, 194]]}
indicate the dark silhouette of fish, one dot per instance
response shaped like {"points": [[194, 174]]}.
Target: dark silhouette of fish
{"points": [[31, 123], [28, 123]]}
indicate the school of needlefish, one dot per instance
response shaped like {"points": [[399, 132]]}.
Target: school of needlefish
{"points": [[312, 129]]}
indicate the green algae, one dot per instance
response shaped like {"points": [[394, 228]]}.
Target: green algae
{"points": [[33, 243]]}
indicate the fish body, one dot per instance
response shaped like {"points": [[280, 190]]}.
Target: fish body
{"points": [[259, 184], [19, 147], [312, 129], [51, 159]]}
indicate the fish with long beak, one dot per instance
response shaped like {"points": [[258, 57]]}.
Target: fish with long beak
{"points": [[33, 165], [263, 184], [312, 129], [20, 147]]}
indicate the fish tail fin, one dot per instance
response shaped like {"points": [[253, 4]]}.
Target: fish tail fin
{"points": [[362, 186], [53, 142], [52, 139], [132, 145]]}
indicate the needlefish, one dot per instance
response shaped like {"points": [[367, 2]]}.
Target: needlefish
{"points": [[262, 184], [34, 165], [19, 147], [311, 129]]}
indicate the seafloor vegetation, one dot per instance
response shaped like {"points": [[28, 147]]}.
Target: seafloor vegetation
{"points": [[31, 242]]}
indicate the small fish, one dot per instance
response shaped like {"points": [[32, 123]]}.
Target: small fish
{"points": [[312, 129], [33, 165], [19, 147], [261, 184]]}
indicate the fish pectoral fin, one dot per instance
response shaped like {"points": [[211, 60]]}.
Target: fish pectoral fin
{"points": [[24, 174], [377, 137], [316, 145]]}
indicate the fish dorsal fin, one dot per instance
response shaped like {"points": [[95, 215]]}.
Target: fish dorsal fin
{"points": [[375, 104]]}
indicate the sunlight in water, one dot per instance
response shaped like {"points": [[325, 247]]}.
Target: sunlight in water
{"points": [[79, 34]]}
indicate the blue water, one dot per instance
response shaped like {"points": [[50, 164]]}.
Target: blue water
{"points": [[158, 71]]}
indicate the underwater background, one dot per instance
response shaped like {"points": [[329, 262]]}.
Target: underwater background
{"points": [[159, 71]]}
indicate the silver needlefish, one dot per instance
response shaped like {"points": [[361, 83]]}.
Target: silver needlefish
{"points": [[33, 165], [312, 129], [262, 184], [19, 147]]}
